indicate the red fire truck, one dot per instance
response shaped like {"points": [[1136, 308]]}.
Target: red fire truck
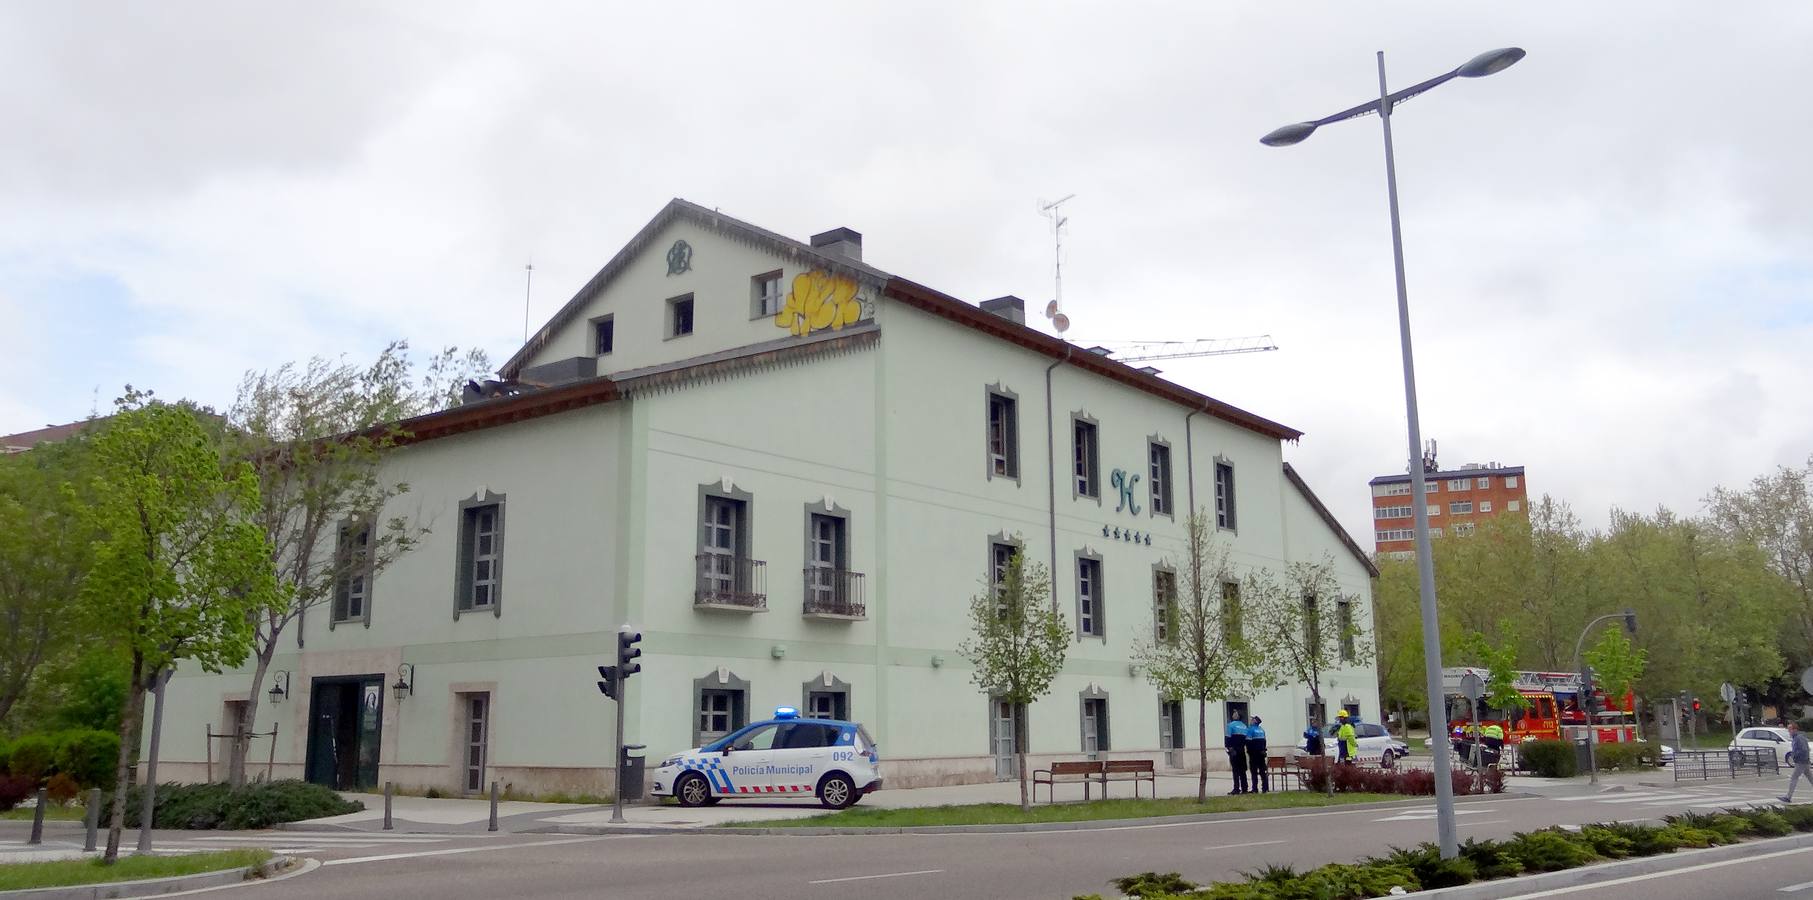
{"points": [[1555, 711]]}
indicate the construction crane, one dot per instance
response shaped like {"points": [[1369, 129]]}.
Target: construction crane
{"points": [[1148, 351]]}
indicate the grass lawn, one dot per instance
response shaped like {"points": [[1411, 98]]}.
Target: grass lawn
{"points": [[19, 876], [51, 813], [1010, 814]]}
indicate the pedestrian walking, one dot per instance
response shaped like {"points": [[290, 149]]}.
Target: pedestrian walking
{"points": [[1259, 774], [1797, 756], [1235, 742]]}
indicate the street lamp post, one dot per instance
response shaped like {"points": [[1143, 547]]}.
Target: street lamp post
{"points": [[1479, 66], [1586, 687]]}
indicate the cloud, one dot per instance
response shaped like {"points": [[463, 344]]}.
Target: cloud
{"points": [[1606, 245]]}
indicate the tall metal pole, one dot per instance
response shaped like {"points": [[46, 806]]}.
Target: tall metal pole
{"points": [[148, 803], [1446, 835], [617, 793]]}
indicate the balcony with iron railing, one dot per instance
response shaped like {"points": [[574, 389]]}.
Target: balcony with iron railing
{"points": [[833, 595], [730, 583]]}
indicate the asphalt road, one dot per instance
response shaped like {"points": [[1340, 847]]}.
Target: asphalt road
{"points": [[1038, 866]]}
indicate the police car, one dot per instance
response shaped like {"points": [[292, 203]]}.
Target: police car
{"points": [[786, 755]]}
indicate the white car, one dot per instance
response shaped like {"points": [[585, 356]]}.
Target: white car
{"points": [[833, 760], [1375, 742], [1773, 739]]}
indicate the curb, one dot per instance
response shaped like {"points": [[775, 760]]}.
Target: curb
{"points": [[1610, 871], [151, 887], [1085, 825]]}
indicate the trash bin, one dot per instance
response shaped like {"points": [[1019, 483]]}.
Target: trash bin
{"points": [[630, 773], [1583, 760]]}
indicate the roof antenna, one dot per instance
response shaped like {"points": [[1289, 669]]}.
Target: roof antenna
{"points": [[1053, 311], [528, 279]]}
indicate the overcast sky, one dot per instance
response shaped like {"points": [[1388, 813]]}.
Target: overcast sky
{"points": [[1608, 245]]}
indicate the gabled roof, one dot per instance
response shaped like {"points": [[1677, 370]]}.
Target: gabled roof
{"points": [[49, 434], [693, 212], [1315, 503], [908, 292]]}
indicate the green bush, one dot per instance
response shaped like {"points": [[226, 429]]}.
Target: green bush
{"points": [[261, 805], [1688, 836], [1801, 817], [1547, 851], [1765, 822], [1644, 840], [1628, 757], [1425, 861], [1343, 882], [33, 756], [1152, 884], [88, 757], [1489, 859], [1548, 759], [1606, 842]]}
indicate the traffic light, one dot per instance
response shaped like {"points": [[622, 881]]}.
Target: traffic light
{"points": [[1630, 621], [608, 686], [627, 651], [1696, 704]]}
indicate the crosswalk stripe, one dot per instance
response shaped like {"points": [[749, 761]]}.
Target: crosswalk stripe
{"points": [[1603, 798], [1657, 798], [329, 839]]}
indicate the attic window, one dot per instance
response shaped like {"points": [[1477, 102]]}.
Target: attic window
{"points": [[679, 316], [765, 295], [604, 335]]}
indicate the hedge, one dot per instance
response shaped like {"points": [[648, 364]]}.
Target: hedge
{"points": [[14, 789], [33, 756], [87, 757], [1548, 759], [1410, 782], [1422, 868], [254, 806]]}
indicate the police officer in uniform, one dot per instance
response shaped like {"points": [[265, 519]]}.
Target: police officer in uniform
{"points": [[1235, 742], [1261, 777]]}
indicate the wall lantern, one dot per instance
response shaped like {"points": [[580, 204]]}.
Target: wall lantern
{"points": [[937, 661], [778, 651], [405, 685], [280, 686]]}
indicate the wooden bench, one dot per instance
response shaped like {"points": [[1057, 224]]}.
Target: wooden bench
{"points": [[1084, 771], [1134, 770]]}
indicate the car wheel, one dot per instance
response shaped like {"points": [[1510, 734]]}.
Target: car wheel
{"points": [[837, 791], [692, 790]]}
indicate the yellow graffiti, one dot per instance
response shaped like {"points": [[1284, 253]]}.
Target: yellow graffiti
{"points": [[819, 300]]}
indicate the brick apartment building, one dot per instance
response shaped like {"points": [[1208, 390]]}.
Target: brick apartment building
{"points": [[1458, 500]]}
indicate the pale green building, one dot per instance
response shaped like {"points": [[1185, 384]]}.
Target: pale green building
{"points": [[790, 471]]}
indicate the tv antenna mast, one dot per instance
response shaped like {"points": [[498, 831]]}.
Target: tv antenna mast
{"points": [[527, 282], [1053, 310]]}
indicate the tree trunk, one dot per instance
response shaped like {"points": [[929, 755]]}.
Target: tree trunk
{"points": [[236, 765], [129, 725], [1019, 729], [1202, 749]]}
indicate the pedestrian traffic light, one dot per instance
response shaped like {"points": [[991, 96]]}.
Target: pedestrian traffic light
{"points": [[627, 651], [1696, 704], [608, 686]]}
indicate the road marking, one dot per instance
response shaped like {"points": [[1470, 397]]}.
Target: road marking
{"points": [[1424, 815], [1654, 798], [1794, 887], [868, 877], [1601, 797], [1247, 844], [1225, 822], [1486, 822], [295, 838], [449, 852], [1669, 873]]}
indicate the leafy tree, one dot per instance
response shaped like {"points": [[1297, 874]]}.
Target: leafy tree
{"points": [[1186, 652], [181, 569], [1398, 626], [1500, 663], [1776, 515], [44, 549], [1616, 664], [317, 436], [1017, 645], [1302, 635]]}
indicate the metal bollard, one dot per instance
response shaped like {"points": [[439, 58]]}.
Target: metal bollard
{"points": [[94, 820], [493, 825], [37, 818], [387, 825]]}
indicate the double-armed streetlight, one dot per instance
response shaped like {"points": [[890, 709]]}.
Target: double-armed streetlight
{"points": [[1477, 67]]}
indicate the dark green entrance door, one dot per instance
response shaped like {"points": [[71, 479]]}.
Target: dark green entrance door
{"points": [[346, 718]]}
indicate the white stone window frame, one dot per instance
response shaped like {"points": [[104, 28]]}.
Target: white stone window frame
{"points": [[464, 583], [1161, 497], [1098, 618], [1093, 464]]}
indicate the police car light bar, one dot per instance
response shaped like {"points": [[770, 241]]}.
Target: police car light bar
{"points": [[786, 712]]}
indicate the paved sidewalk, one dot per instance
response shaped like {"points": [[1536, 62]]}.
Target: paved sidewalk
{"points": [[466, 815]]}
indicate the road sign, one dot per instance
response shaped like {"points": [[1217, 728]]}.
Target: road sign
{"points": [[1473, 687], [1728, 692]]}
